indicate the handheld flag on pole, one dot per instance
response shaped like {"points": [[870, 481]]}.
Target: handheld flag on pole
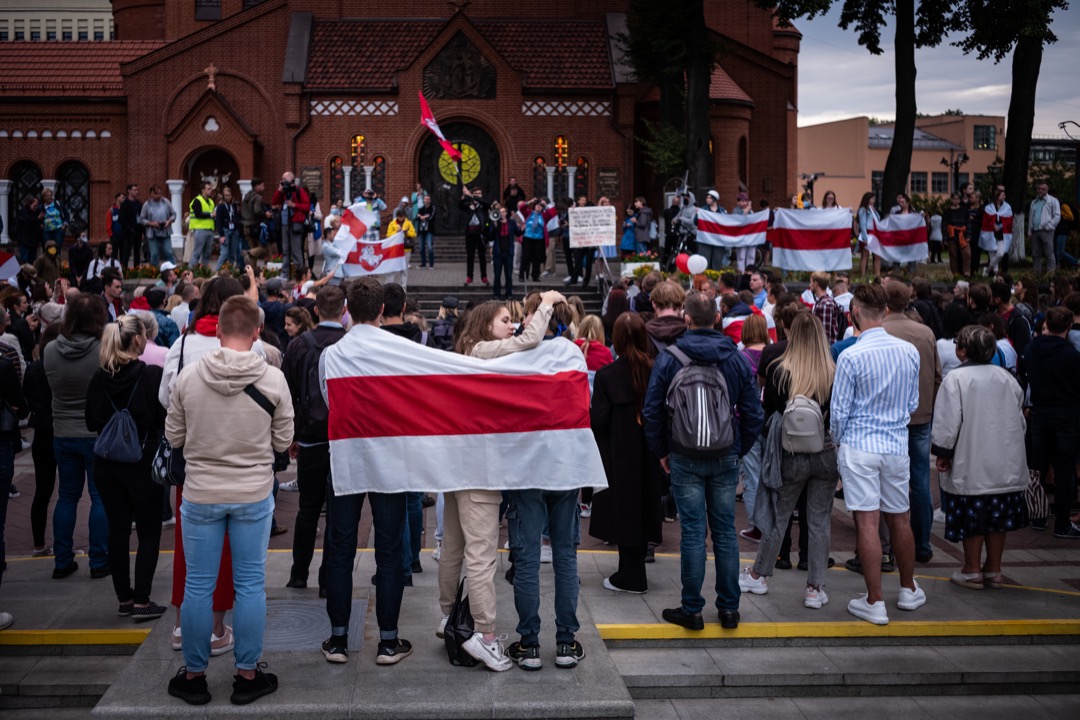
{"points": [[427, 119]]}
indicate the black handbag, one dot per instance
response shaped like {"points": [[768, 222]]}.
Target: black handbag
{"points": [[169, 467], [459, 628]]}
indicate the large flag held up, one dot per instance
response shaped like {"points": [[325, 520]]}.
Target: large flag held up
{"points": [[361, 257], [427, 119], [811, 239], [404, 417], [899, 238], [724, 230]]}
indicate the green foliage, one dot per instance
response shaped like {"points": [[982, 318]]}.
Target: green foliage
{"points": [[664, 148], [930, 204], [994, 28], [1060, 177]]}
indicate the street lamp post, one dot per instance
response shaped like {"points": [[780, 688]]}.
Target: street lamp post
{"points": [[954, 162]]}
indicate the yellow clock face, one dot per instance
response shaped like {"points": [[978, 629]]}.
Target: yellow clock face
{"points": [[470, 164]]}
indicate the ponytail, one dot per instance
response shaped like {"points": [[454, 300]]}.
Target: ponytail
{"points": [[122, 342]]}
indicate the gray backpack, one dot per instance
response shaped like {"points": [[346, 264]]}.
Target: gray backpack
{"points": [[119, 440], [803, 428], [699, 409]]}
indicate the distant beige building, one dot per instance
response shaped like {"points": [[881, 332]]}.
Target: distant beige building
{"points": [[59, 20], [852, 154]]}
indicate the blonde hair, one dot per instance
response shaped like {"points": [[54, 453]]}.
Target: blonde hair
{"points": [[517, 311], [172, 302], [578, 306], [447, 312], [122, 342], [807, 367], [590, 329]]}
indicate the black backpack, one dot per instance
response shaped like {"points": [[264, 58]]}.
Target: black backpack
{"points": [[119, 440], [313, 410], [442, 334]]}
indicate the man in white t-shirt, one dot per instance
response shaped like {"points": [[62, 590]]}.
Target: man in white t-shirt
{"points": [[181, 313]]}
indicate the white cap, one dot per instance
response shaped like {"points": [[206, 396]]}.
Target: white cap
{"points": [[167, 265], [405, 200], [714, 195]]}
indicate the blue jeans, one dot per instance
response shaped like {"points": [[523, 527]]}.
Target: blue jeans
{"points": [[1064, 259], [704, 491], [388, 528], [231, 251], [7, 474], [204, 527], [922, 505], [751, 475], [503, 265], [529, 511], [160, 249], [411, 538], [427, 248], [75, 465]]}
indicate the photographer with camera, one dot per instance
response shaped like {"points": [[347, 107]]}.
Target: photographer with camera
{"points": [[425, 213], [293, 204], [477, 224], [255, 215]]}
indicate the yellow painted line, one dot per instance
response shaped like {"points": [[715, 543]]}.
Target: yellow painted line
{"points": [[953, 628], [73, 637]]}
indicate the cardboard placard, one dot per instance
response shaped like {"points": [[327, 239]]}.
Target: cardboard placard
{"points": [[592, 226]]}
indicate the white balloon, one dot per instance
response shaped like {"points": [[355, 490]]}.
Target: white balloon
{"points": [[697, 264]]}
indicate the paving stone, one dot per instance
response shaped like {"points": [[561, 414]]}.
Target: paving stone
{"points": [[61, 675], [838, 708], [892, 665], [655, 667], [791, 666]]}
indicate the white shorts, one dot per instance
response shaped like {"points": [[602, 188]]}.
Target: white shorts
{"points": [[873, 481]]}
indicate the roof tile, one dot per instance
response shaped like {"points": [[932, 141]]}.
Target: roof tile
{"points": [[68, 69]]}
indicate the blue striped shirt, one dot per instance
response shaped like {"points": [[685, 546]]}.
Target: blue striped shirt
{"points": [[875, 391]]}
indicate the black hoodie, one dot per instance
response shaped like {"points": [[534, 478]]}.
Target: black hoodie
{"points": [[107, 390], [1053, 368], [410, 331]]}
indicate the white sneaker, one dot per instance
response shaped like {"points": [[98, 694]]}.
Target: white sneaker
{"points": [[939, 516], [171, 522], [177, 639], [6, 620], [815, 599], [870, 612], [441, 632], [437, 552], [566, 280], [506, 545], [290, 486], [493, 655], [911, 599], [748, 583], [546, 273], [545, 553], [585, 510]]}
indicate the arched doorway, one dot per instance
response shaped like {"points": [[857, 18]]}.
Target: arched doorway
{"points": [[212, 165], [25, 182], [73, 190], [439, 176]]}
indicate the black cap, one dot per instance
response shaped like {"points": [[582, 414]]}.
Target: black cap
{"points": [[449, 301]]}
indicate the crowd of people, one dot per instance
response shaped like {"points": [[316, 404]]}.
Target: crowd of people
{"points": [[841, 391]]}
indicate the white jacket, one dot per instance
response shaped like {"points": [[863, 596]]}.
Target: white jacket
{"points": [[1051, 214], [979, 424]]}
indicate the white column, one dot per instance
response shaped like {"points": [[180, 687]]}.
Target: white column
{"points": [[245, 187], [49, 185], [550, 183], [5, 216], [347, 173], [368, 169], [570, 173], [176, 196]]}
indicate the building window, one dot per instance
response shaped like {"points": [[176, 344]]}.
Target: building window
{"points": [[84, 35], [581, 178], [985, 137], [939, 182], [963, 181], [73, 190], [99, 35], [744, 163], [25, 181], [207, 9], [539, 176], [918, 182], [357, 153], [50, 34], [337, 180], [3, 35], [561, 148], [65, 36], [378, 175], [35, 35]]}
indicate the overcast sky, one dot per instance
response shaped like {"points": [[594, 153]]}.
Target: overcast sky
{"points": [[839, 79]]}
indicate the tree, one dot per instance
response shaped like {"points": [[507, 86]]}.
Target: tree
{"points": [[994, 30], [923, 28]]}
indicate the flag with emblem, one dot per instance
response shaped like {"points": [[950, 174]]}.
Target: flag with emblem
{"points": [[363, 257]]}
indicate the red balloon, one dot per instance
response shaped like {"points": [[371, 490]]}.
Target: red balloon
{"points": [[680, 262]]}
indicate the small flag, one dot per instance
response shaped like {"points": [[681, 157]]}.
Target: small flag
{"points": [[9, 266], [900, 238], [724, 230], [427, 118], [811, 239]]}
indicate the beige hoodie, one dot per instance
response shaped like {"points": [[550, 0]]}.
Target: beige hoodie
{"points": [[228, 439]]}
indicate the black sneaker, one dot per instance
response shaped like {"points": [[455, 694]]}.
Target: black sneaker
{"points": [[393, 651], [924, 557], [1038, 524], [62, 572], [336, 648], [151, 612], [510, 574], [678, 616], [567, 655], [417, 567], [99, 573], [783, 563], [888, 563], [245, 691], [193, 691], [1070, 533], [854, 565], [125, 609], [729, 619], [527, 657], [650, 554]]}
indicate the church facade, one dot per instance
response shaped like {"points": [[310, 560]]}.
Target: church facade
{"points": [[231, 90]]}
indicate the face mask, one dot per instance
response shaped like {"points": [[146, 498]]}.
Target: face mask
{"points": [[52, 251], [335, 211]]}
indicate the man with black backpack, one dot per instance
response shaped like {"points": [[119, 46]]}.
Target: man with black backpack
{"points": [[702, 413], [312, 446]]}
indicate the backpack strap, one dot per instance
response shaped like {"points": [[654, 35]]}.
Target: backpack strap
{"points": [[264, 402], [679, 355], [424, 338]]}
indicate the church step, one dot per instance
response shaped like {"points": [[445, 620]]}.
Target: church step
{"points": [[57, 681]]}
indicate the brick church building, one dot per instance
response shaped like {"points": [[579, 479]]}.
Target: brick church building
{"points": [[229, 90]]}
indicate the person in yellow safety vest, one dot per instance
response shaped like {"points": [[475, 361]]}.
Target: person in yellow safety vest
{"points": [[202, 226]]}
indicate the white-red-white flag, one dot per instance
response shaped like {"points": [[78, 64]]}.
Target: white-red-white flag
{"points": [[731, 230], [899, 238], [427, 119], [363, 257], [405, 417], [811, 239], [9, 266]]}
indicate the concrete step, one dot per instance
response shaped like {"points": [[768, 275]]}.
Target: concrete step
{"points": [[767, 672], [57, 681]]}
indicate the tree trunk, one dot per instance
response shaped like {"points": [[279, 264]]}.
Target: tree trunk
{"points": [[898, 165], [698, 74], [1027, 60]]}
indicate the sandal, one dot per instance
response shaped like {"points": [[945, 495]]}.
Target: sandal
{"points": [[972, 581], [995, 581]]}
